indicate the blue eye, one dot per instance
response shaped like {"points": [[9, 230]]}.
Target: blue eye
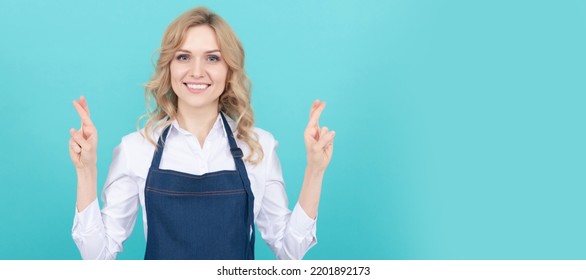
{"points": [[183, 57], [213, 58]]}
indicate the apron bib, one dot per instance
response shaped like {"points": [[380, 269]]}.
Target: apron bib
{"points": [[197, 217]]}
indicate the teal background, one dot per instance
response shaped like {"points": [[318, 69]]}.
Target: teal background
{"points": [[460, 124]]}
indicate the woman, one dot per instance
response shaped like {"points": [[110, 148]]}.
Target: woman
{"points": [[203, 174]]}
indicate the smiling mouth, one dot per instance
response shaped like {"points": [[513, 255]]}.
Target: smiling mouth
{"points": [[196, 88]]}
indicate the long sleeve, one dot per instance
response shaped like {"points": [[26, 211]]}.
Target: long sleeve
{"points": [[100, 234], [290, 234]]}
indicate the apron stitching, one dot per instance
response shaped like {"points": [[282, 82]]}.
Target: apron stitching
{"points": [[196, 193]]}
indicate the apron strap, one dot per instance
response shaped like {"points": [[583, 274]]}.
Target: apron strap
{"points": [[159, 149], [237, 155]]}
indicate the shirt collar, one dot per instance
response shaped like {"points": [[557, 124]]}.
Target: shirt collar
{"points": [[217, 128]]}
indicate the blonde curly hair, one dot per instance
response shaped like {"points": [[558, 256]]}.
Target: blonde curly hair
{"points": [[234, 101]]}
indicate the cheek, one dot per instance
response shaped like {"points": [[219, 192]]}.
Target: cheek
{"points": [[175, 76], [176, 72], [219, 75]]}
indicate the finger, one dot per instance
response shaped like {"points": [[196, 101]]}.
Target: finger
{"points": [[326, 139], [79, 140], [313, 107], [319, 133], [314, 119], [74, 147], [72, 153], [83, 103], [330, 147], [330, 144], [85, 117], [88, 131]]}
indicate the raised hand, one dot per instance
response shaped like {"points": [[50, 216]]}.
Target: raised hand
{"points": [[84, 142], [319, 141]]}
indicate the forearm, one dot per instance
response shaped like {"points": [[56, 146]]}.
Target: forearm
{"points": [[311, 191], [86, 187]]}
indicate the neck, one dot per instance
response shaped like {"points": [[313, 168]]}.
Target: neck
{"points": [[199, 122]]}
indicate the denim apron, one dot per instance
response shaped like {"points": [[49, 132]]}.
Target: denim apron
{"points": [[207, 216]]}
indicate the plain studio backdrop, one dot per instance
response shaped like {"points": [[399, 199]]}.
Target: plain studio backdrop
{"points": [[460, 124]]}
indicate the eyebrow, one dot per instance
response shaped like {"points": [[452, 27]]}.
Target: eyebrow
{"points": [[212, 51]]}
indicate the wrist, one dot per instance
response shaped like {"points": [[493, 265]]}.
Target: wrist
{"points": [[314, 171], [89, 172]]}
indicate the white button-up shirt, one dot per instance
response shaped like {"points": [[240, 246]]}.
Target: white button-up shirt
{"points": [[100, 234]]}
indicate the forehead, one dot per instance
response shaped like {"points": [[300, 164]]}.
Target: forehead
{"points": [[200, 38]]}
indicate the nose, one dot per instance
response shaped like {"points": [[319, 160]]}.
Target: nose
{"points": [[197, 69]]}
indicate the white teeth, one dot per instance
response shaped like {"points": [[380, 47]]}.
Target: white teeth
{"points": [[197, 86]]}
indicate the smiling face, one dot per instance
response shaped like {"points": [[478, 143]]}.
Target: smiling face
{"points": [[198, 71]]}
